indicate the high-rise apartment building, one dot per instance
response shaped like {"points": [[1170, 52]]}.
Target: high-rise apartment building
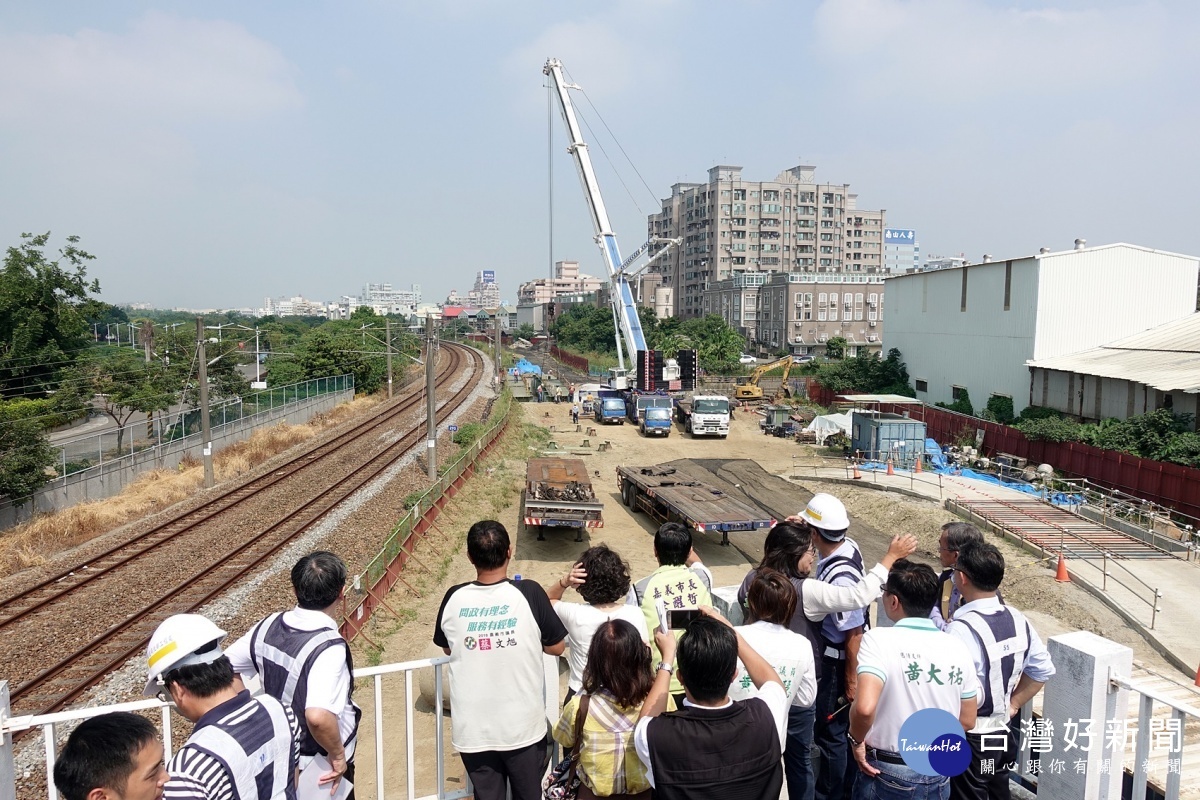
{"points": [[901, 251], [486, 292], [384, 300], [791, 224]]}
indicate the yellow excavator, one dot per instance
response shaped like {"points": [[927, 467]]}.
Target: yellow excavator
{"points": [[747, 387]]}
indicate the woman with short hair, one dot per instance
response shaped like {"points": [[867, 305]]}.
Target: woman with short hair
{"points": [[601, 577]]}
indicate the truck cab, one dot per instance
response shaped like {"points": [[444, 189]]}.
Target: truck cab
{"points": [[609, 410], [706, 415], [655, 421]]}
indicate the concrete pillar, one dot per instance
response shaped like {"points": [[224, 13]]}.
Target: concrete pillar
{"points": [[1080, 691], [8, 772]]}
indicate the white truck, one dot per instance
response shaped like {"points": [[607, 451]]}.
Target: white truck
{"points": [[704, 415]]}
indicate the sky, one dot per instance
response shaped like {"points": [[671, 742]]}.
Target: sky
{"points": [[211, 154]]}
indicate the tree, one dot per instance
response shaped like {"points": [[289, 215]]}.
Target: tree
{"points": [[867, 373], [123, 384], [25, 455], [525, 331], [835, 348], [42, 327]]}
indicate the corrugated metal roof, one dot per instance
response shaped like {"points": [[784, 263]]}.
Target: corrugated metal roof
{"points": [[1166, 357], [1037, 257]]}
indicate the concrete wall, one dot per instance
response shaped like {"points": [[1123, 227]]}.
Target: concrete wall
{"points": [[109, 478], [1094, 398], [1090, 297], [982, 348]]}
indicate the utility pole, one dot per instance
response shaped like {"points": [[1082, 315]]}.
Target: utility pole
{"points": [[388, 341], [257, 359], [497, 342], [430, 399], [148, 339], [205, 429]]}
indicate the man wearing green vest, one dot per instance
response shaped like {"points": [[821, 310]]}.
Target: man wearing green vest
{"points": [[680, 582]]}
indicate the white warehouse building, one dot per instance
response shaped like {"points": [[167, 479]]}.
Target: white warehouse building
{"points": [[975, 328]]}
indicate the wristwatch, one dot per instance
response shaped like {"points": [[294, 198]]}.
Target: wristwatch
{"points": [[853, 742], [670, 668]]}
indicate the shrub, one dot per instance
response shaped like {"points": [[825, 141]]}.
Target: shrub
{"points": [[467, 434], [999, 409]]}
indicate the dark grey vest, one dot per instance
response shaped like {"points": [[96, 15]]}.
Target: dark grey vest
{"points": [[727, 754], [283, 657]]}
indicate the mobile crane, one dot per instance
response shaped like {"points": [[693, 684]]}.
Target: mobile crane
{"points": [[624, 307], [748, 388]]}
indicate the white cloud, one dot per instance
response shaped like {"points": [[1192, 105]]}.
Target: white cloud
{"points": [[163, 66], [967, 50]]}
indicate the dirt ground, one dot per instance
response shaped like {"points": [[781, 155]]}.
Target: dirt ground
{"points": [[1052, 607]]}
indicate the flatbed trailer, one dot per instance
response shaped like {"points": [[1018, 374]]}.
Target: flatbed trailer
{"points": [[670, 496], [558, 494]]}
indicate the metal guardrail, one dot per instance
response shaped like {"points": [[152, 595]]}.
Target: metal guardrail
{"points": [[54, 725], [383, 571], [85, 452], [1171, 730]]}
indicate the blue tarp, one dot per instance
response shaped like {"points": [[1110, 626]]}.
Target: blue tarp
{"points": [[524, 367], [938, 463]]}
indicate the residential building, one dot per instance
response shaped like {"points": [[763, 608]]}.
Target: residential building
{"points": [[384, 300], [901, 251], [799, 313], [976, 328], [486, 292], [791, 224], [567, 280], [735, 300], [1158, 368], [293, 307]]}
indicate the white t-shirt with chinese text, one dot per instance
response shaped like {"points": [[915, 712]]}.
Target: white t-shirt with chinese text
{"points": [[921, 667], [496, 633], [788, 652]]}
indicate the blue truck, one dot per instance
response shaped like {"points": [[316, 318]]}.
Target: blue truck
{"points": [[650, 411], [609, 407]]}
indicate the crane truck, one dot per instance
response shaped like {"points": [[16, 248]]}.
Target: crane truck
{"points": [[629, 333]]}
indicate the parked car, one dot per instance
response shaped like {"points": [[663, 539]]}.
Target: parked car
{"points": [[746, 358]]}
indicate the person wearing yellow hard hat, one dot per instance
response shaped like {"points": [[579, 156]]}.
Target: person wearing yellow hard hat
{"points": [[242, 747]]}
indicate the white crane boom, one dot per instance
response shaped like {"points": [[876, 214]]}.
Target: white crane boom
{"points": [[625, 312]]}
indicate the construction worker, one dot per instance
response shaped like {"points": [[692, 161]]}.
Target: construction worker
{"points": [[840, 564], [243, 747], [304, 663]]}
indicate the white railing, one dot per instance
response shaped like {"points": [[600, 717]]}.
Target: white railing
{"points": [[53, 726]]}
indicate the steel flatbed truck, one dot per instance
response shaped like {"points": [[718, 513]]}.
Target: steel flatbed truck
{"points": [[670, 496], [558, 494]]}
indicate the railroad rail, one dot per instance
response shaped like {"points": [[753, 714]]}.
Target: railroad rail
{"points": [[69, 676], [1055, 529]]}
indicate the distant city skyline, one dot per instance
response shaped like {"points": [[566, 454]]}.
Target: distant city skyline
{"points": [[215, 154]]}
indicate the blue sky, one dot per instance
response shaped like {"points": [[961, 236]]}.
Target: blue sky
{"points": [[214, 153]]}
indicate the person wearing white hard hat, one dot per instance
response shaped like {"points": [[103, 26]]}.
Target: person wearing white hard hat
{"points": [[840, 563], [242, 747]]}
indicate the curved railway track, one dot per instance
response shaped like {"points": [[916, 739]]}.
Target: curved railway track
{"points": [[70, 675]]}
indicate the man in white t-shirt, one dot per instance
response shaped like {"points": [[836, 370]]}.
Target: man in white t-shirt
{"points": [[903, 669], [304, 663], [495, 631]]}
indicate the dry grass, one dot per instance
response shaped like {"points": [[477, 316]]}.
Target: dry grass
{"points": [[33, 543]]}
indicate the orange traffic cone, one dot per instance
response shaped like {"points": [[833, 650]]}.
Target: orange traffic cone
{"points": [[857, 474], [1061, 575], [917, 466], [890, 471]]}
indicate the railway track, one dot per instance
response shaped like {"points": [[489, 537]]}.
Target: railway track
{"points": [[69, 676]]}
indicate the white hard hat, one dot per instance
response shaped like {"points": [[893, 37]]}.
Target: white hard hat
{"points": [[180, 641], [826, 513]]}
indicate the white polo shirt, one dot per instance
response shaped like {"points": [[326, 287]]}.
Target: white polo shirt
{"points": [[921, 667]]}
